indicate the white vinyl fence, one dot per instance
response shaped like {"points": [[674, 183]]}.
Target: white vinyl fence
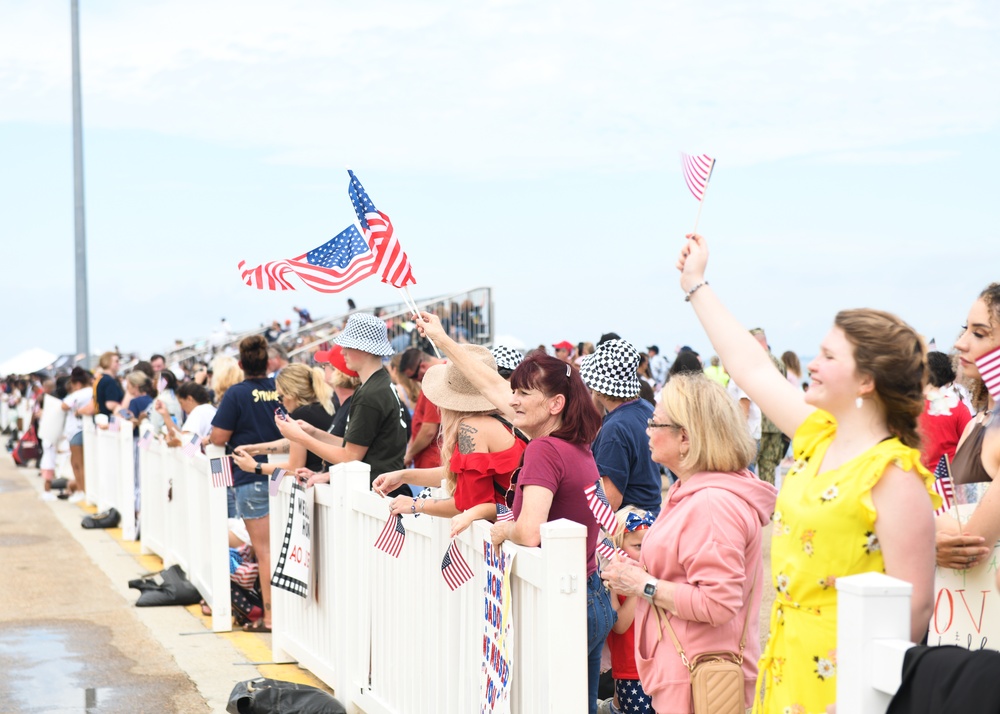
{"points": [[389, 636], [873, 635], [184, 521], [109, 461]]}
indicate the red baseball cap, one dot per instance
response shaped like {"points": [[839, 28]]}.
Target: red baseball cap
{"points": [[564, 345], [335, 357]]}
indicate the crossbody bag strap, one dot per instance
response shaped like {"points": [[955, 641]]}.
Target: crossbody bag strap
{"points": [[677, 644]]}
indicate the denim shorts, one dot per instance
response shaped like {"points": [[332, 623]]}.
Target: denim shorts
{"points": [[76, 439], [252, 501]]}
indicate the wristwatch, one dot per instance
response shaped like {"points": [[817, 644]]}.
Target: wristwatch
{"points": [[649, 590], [258, 470]]}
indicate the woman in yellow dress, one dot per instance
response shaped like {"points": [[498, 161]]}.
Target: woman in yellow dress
{"points": [[857, 498]]}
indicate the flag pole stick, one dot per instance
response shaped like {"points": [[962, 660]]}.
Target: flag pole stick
{"points": [[412, 305], [703, 194], [954, 497]]}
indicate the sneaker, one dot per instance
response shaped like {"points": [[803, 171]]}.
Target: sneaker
{"points": [[77, 497], [48, 496]]}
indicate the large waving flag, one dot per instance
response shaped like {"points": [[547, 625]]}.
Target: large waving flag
{"points": [[336, 265], [697, 172], [393, 263]]}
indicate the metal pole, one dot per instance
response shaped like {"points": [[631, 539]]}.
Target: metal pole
{"points": [[82, 327]]}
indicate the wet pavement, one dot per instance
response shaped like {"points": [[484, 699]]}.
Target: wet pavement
{"points": [[71, 639]]}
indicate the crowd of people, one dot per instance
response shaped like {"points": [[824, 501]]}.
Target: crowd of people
{"points": [[696, 459]]}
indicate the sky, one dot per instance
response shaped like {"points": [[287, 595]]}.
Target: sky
{"points": [[527, 146]]}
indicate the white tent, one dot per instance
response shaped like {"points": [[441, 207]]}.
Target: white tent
{"points": [[27, 362]]}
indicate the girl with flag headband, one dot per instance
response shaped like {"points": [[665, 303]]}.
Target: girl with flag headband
{"points": [[857, 499], [978, 456]]}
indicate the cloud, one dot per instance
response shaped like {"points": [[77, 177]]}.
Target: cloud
{"points": [[508, 86]]}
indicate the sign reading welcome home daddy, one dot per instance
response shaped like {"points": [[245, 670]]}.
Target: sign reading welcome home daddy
{"points": [[498, 644], [294, 568]]}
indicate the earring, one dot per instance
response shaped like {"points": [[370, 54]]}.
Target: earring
{"points": [[859, 402]]}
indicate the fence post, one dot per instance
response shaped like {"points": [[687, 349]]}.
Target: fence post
{"points": [[564, 621], [870, 607]]}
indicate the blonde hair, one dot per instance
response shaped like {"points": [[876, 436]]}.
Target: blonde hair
{"points": [[341, 380], [225, 373], [715, 425], [306, 384], [137, 379], [105, 359], [621, 515]]}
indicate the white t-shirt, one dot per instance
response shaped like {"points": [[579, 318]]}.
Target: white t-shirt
{"points": [[753, 419], [74, 401], [199, 421]]}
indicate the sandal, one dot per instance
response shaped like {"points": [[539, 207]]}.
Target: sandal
{"points": [[256, 626], [205, 609]]}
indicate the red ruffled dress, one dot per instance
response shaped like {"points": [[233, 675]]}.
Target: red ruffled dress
{"points": [[484, 477]]}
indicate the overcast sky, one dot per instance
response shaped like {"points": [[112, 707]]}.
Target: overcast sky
{"points": [[528, 146]]}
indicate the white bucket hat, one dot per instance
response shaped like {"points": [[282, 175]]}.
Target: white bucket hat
{"points": [[611, 370], [507, 357], [365, 333]]}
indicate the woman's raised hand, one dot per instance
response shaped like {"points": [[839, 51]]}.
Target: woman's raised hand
{"points": [[429, 326], [692, 261]]}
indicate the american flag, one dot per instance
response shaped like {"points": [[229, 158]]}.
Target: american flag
{"points": [[192, 446], [600, 507], [275, 481], [336, 265], [504, 513], [606, 549], [145, 440], [989, 369], [454, 567], [943, 486], [222, 471], [114, 424], [393, 264], [697, 172], [390, 540]]}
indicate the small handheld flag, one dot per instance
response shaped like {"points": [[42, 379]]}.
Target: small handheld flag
{"points": [[114, 424], [274, 482], [606, 549], [222, 471], [697, 173], [390, 540], [943, 486], [454, 568], [600, 507], [192, 446], [504, 513], [145, 440], [989, 369]]}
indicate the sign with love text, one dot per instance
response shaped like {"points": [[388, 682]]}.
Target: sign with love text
{"points": [[498, 636], [966, 602]]}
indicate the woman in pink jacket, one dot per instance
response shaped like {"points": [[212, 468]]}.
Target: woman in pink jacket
{"points": [[701, 564]]}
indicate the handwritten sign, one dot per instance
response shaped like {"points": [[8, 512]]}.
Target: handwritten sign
{"points": [[498, 644], [966, 603], [294, 570]]}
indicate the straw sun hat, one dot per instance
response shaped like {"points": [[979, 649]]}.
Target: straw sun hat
{"points": [[448, 388]]}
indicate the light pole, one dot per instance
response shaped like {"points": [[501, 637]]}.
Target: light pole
{"points": [[82, 325]]}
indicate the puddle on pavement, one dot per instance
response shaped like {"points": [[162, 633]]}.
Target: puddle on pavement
{"points": [[70, 666]]}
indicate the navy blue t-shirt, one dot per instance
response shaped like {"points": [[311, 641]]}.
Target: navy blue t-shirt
{"points": [[621, 451], [137, 406], [247, 410], [108, 390]]}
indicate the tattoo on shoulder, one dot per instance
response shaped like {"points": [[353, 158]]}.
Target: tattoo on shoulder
{"points": [[466, 438]]}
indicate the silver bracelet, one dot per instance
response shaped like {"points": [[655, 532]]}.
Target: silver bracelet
{"points": [[692, 291]]}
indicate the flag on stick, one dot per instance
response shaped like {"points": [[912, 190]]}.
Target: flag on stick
{"points": [[114, 424], [606, 549], [192, 446], [600, 507], [336, 265], [504, 513], [943, 486], [393, 263], [390, 540], [275, 481], [697, 172], [989, 369], [145, 440], [222, 471], [454, 568]]}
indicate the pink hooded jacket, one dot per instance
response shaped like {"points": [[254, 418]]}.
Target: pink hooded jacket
{"points": [[707, 540]]}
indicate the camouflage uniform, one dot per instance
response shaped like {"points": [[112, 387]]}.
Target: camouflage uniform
{"points": [[772, 442]]}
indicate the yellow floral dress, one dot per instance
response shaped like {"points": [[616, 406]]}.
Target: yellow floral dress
{"points": [[823, 528]]}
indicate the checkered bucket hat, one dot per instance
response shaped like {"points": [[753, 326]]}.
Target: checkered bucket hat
{"points": [[611, 370], [366, 333], [507, 357]]}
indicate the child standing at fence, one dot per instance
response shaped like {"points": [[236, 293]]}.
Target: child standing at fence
{"points": [[633, 523]]}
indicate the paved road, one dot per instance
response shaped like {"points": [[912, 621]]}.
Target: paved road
{"points": [[71, 639]]}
